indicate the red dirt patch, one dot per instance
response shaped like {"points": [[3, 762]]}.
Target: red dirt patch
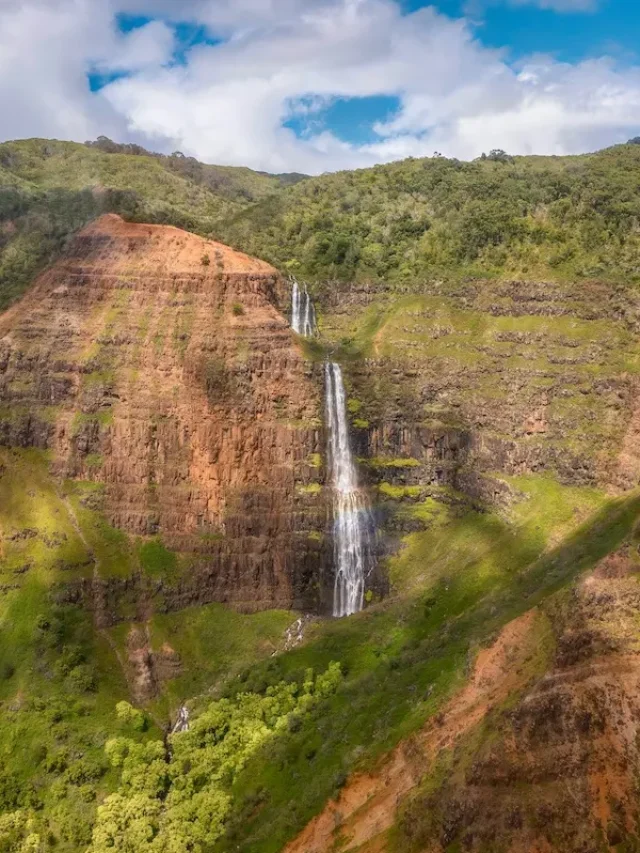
{"points": [[367, 805]]}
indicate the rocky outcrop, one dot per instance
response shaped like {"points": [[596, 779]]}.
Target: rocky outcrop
{"points": [[157, 364], [558, 771]]}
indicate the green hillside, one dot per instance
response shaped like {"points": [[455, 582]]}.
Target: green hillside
{"points": [[502, 216], [549, 217], [50, 189]]}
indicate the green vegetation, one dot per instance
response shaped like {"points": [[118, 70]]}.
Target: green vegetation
{"points": [[390, 462], [60, 679], [214, 644], [180, 799], [310, 489], [479, 543], [155, 559], [50, 189], [527, 216], [388, 490], [402, 658], [549, 217], [63, 692]]}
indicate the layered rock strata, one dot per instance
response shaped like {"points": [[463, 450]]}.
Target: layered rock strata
{"points": [[156, 363]]}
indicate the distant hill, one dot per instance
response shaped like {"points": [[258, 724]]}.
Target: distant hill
{"points": [[556, 218], [50, 189]]}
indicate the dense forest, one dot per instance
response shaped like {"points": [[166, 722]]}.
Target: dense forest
{"points": [[497, 216]]}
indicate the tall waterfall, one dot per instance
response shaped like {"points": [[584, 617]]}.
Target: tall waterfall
{"points": [[353, 523], [352, 517], [303, 315]]}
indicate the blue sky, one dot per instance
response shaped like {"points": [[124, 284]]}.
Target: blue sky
{"points": [[612, 26], [315, 85]]}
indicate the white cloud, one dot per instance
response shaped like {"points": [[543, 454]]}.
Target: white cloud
{"points": [[560, 5], [147, 46], [229, 102], [46, 49]]}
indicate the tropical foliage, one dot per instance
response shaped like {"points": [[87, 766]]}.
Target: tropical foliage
{"points": [[177, 800], [553, 217], [501, 215], [50, 189]]}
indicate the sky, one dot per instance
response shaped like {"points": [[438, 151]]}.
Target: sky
{"points": [[319, 85]]}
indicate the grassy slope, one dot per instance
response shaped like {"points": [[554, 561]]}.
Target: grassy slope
{"points": [[455, 583], [60, 679], [405, 656]]}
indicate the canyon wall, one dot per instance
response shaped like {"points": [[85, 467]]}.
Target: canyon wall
{"points": [[156, 365], [485, 376]]}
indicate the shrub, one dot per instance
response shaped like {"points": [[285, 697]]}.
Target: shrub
{"points": [[84, 770], [205, 260], [82, 678], [130, 716], [238, 309]]}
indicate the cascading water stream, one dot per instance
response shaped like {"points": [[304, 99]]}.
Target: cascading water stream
{"points": [[303, 315], [352, 517], [353, 524]]}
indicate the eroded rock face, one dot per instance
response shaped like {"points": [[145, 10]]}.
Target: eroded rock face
{"points": [[516, 377], [537, 752], [559, 770], [157, 363]]}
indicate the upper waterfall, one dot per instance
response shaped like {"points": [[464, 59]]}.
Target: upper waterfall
{"points": [[303, 315]]}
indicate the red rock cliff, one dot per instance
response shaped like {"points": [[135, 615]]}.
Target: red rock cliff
{"points": [[156, 362]]}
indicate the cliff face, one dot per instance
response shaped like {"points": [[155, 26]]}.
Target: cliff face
{"points": [[156, 364], [537, 752], [512, 376]]}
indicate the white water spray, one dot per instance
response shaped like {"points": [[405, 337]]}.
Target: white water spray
{"points": [[352, 518], [303, 315]]}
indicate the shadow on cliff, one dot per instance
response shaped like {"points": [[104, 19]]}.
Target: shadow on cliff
{"points": [[401, 660]]}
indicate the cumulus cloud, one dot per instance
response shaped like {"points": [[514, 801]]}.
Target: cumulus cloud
{"points": [[281, 59], [47, 47], [145, 47]]}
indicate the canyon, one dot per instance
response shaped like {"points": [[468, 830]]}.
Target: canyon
{"points": [[205, 458]]}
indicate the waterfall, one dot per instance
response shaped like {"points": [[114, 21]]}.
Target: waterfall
{"points": [[353, 524], [182, 721], [303, 315], [352, 517]]}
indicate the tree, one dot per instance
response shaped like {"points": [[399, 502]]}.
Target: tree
{"points": [[131, 716], [179, 800]]}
